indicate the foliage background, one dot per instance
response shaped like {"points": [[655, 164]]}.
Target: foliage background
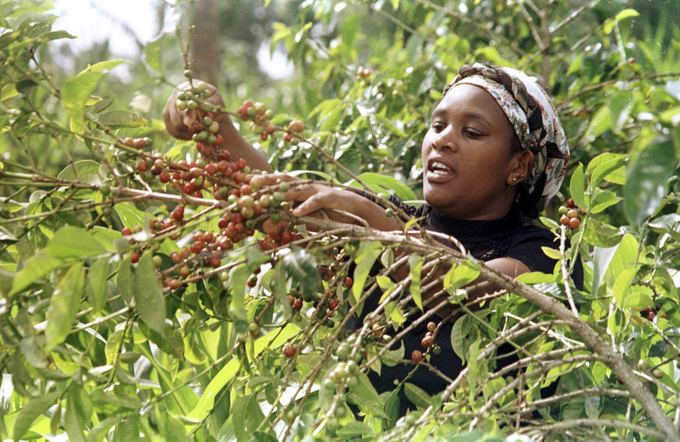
{"points": [[366, 76]]}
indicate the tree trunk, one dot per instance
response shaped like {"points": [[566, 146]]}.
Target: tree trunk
{"points": [[205, 51]]}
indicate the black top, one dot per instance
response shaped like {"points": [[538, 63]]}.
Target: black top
{"points": [[512, 236]]}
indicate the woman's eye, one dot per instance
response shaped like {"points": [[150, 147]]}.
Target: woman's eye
{"points": [[471, 133], [438, 126]]}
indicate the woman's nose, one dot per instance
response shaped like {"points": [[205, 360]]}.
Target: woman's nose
{"points": [[444, 140]]}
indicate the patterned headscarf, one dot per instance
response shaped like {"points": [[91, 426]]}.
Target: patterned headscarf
{"points": [[534, 120]]}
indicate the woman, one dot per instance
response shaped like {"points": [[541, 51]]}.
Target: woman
{"points": [[494, 154]]}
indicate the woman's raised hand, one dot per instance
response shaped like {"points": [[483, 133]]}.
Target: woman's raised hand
{"points": [[183, 122], [178, 122]]}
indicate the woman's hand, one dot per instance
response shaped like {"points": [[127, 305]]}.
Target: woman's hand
{"points": [[179, 122], [314, 197], [183, 124]]}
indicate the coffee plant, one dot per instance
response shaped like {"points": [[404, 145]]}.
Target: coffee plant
{"points": [[159, 289]]}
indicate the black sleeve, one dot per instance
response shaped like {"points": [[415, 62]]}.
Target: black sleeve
{"points": [[527, 248]]}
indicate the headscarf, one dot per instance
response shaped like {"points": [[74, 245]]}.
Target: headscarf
{"points": [[534, 120]]}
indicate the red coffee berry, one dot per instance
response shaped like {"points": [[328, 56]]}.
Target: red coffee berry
{"points": [[296, 126], [333, 304], [126, 231], [574, 223], [289, 351], [164, 177], [570, 203], [178, 213], [210, 169], [347, 282], [142, 166], [564, 220], [288, 137], [197, 246], [427, 341], [297, 305], [184, 271], [416, 356], [134, 257]]}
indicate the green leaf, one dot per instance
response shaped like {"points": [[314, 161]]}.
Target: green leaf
{"points": [[76, 91], [85, 171], [74, 242], [460, 275], [639, 297], [64, 305], [119, 119], [97, 277], [458, 334], [148, 294], [130, 215], [577, 186], [647, 181], [303, 269], [601, 234], [625, 257], [609, 24], [77, 415], [551, 253], [152, 54], [602, 200], [603, 165], [35, 268], [363, 394], [415, 263], [417, 395], [378, 183], [34, 408], [356, 429], [623, 283], [394, 313], [127, 429], [366, 256], [125, 280], [393, 357], [272, 340]]}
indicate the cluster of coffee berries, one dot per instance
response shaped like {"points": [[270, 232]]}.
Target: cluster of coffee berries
{"points": [[259, 116], [324, 306], [252, 203], [194, 98], [571, 215], [428, 341], [136, 142], [343, 372]]}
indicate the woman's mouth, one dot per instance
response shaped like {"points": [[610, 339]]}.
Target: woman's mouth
{"points": [[438, 172]]}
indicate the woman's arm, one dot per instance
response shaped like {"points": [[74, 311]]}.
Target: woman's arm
{"points": [[178, 124]]}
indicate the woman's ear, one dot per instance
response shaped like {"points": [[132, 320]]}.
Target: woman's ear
{"points": [[520, 167]]}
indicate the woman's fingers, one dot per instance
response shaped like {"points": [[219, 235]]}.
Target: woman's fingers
{"points": [[178, 123]]}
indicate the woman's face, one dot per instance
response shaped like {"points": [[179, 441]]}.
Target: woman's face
{"points": [[468, 163]]}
